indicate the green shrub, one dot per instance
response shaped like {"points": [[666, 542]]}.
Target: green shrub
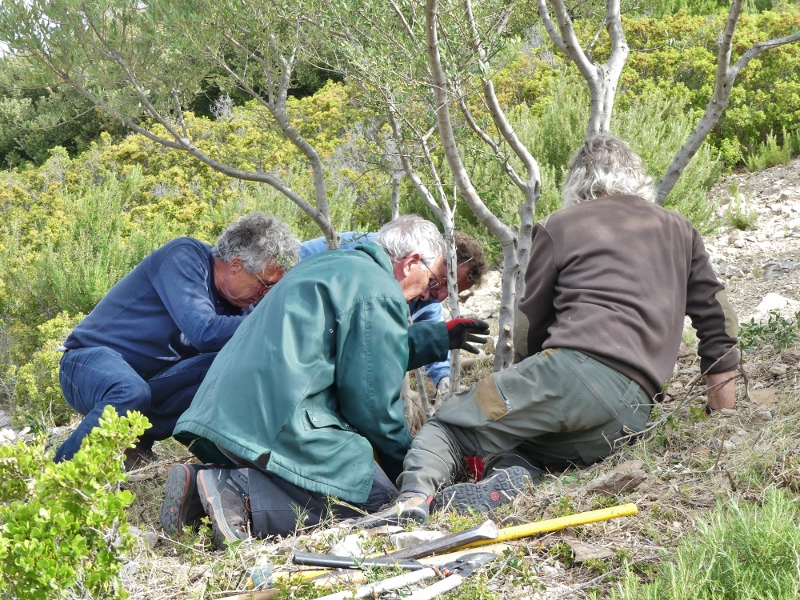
{"points": [[64, 526], [37, 393], [770, 153], [738, 552], [777, 331]]}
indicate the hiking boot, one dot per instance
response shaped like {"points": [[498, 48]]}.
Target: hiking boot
{"points": [[409, 507], [182, 506], [224, 494], [486, 495]]}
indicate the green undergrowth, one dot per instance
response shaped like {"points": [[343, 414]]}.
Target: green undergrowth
{"points": [[738, 551], [64, 526]]}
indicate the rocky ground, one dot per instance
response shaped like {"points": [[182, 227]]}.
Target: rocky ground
{"points": [[680, 468]]}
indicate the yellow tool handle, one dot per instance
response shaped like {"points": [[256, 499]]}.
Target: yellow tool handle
{"points": [[593, 516]]}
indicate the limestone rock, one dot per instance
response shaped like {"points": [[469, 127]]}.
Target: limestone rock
{"points": [[764, 396], [409, 539], [625, 478], [584, 552], [762, 416], [778, 369]]}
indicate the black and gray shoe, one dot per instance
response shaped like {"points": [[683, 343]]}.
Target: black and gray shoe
{"points": [[182, 506], [225, 495], [485, 495]]}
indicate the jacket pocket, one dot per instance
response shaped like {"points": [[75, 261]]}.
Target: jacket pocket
{"points": [[319, 418]]}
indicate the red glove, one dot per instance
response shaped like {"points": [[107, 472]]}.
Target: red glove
{"points": [[462, 331]]}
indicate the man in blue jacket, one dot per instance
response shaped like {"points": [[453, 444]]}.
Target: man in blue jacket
{"points": [[471, 261], [307, 391], [149, 342]]}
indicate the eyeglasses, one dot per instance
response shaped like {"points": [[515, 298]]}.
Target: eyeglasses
{"points": [[433, 286], [267, 286]]}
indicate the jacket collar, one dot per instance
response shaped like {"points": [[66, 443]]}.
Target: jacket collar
{"points": [[378, 254]]}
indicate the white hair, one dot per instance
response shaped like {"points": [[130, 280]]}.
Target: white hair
{"points": [[408, 234], [605, 166], [258, 239]]}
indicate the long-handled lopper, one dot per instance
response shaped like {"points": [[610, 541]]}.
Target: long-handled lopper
{"points": [[454, 574]]}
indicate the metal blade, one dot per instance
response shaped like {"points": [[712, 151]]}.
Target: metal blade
{"points": [[485, 531]]}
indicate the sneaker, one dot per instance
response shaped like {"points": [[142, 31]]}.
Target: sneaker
{"points": [[224, 494], [486, 495], [182, 506], [409, 507]]}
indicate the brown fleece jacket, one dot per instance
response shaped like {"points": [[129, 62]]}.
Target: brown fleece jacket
{"points": [[614, 278]]}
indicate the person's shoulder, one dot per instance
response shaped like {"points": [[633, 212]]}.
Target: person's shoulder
{"points": [[186, 244]]}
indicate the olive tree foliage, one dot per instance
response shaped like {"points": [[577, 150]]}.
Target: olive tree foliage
{"points": [[143, 62], [428, 68], [725, 77], [602, 79]]}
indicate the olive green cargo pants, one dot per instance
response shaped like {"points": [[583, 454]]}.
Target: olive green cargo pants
{"points": [[552, 409]]}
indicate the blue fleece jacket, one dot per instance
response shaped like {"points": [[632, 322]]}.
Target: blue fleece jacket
{"points": [[165, 310]]}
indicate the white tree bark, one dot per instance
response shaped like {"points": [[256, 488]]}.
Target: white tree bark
{"points": [[602, 79], [725, 77], [504, 234], [531, 185]]}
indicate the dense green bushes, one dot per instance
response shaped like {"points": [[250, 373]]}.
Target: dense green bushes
{"points": [[64, 525]]}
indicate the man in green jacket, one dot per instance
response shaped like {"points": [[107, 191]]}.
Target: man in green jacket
{"points": [[307, 391]]}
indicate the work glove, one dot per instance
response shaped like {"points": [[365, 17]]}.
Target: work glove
{"points": [[443, 387], [462, 331]]}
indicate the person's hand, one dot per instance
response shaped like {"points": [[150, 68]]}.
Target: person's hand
{"points": [[462, 331], [723, 396], [443, 387]]}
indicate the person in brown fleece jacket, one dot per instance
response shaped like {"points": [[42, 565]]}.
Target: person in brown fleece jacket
{"points": [[597, 334]]}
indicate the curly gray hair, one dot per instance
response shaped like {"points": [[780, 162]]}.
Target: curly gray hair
{"points": [[258, 239], [605, 166], [408, 234]]}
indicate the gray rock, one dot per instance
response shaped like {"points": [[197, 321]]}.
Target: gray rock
{"points": [[733, 271], [625, 478], [791, 357], [5, 418], [762, 416], [778, 369], [409, 539]]}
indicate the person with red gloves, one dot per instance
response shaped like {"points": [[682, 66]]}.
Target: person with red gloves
{"points": [[597, 332], [307, 392]]}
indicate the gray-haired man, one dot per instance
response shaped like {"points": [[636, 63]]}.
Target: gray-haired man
{"points": [[598, 329], [307, 391], [149, 342]]}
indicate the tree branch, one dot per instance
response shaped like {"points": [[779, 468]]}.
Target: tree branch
{"points": [[725, 77]]}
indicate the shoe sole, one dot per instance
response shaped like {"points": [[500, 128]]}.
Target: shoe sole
{"points": [[212, 503], [179, 499], [484, 496]]}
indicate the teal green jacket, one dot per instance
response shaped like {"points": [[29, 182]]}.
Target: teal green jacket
{"points": [[310, 382]]}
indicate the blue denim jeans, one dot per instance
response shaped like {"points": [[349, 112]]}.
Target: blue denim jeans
{"points": [[93, 378]]}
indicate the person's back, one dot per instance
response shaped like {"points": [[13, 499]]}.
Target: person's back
{"points": [[299, 379], [137, 319], [623, 274]]}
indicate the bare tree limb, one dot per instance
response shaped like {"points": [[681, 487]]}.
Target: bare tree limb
{"points": [[504, 234], [725, 76]]}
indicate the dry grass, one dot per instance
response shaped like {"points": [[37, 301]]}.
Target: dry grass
{"points": [[691, 461]]}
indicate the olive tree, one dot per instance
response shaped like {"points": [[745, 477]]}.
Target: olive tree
{"points": [[143, 62], [428, 68]]}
